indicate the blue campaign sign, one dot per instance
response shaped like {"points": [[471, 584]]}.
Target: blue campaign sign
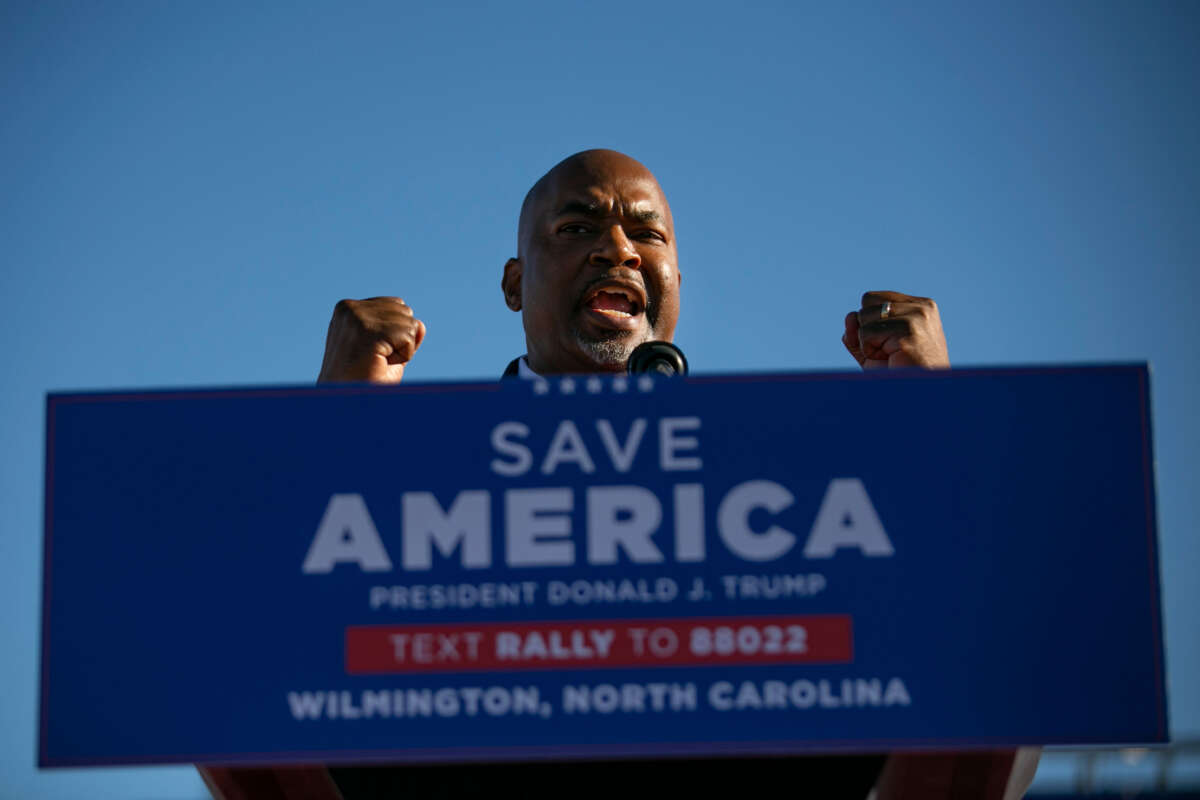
{"points": [[597, 566]]}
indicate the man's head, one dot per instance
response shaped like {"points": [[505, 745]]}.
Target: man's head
{"points": [[596, 272]]}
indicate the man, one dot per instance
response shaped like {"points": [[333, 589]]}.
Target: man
{"points": [[596, 274]]}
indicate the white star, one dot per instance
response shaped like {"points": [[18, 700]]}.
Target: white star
{"points": [[567, 386], [645, 383], [594, 385], [540, 387], [620, 384]]}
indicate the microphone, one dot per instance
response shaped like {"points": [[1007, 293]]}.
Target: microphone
{"points": [[662, 358]]}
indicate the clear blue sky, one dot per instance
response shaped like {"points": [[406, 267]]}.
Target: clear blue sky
{"points": [[188, 188]]}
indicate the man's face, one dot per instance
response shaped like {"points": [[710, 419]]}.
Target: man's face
{"points": [[597, 274]]}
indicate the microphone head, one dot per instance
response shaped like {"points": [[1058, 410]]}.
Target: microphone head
{"points": [[663, 358]]}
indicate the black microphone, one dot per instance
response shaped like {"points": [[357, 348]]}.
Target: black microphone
{"points": [[662, 358]]}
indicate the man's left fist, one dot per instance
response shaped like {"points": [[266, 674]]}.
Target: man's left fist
{"points": [[896, 330]]}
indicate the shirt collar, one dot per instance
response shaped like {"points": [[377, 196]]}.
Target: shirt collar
{"points": [[524, 370]]}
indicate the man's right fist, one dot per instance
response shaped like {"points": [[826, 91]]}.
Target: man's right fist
{"points": [[370, 340]]}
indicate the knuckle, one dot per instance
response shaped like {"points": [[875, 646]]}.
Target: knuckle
{"points": [[400, 331], [405, 347], [347, 316], [384, 302]]}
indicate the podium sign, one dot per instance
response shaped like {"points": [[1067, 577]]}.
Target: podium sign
{"points": [[601, 567]]}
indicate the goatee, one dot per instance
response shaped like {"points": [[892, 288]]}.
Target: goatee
{"points": [[612, 352]]}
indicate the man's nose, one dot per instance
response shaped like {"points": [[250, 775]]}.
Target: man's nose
{"points": [[615, 249]]}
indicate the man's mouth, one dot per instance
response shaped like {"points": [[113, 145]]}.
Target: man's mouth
{"points": [[615, 306], [615, 303]]}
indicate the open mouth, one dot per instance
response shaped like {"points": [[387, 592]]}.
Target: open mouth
{"points": [[617, 304]]}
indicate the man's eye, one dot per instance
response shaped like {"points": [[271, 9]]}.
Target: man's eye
{"points": [[574, 227], [653, 236]]}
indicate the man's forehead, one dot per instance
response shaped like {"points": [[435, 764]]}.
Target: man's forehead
{"points": [[605, 179], [609, 192], [635, 200]]}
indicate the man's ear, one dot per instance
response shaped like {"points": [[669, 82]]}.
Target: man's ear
{"points": [[511, 284]]}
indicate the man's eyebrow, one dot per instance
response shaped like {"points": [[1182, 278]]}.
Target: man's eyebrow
{"points": [[646, 215], [595, 210], [581, 208]]}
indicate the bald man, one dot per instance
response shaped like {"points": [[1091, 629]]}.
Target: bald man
{"points": [[596, 274]]}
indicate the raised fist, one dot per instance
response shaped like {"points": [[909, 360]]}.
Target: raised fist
{"points": [[896, 330], [370, 340]]}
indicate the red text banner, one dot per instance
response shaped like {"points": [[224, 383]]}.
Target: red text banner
{"points": [[592, 644]]}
